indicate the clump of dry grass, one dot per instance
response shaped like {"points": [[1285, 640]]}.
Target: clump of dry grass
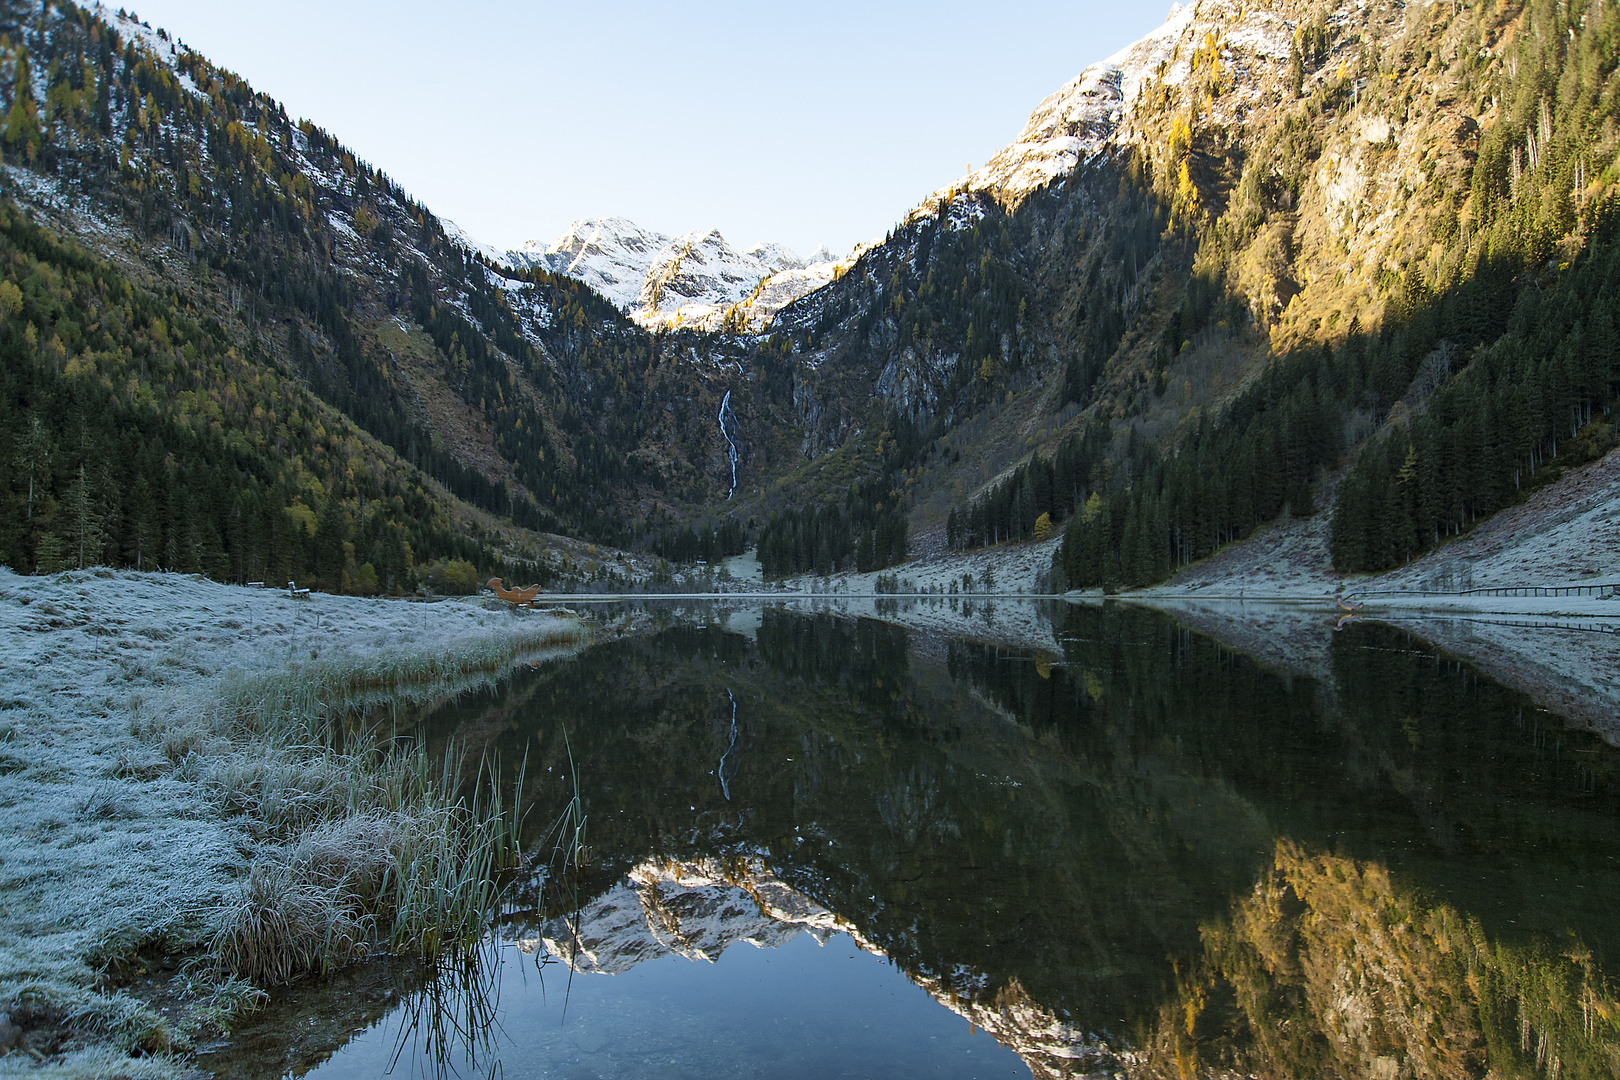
{"points": [[364, 844], [281, 791], [374, 848], [283, 926], [412, 879]]}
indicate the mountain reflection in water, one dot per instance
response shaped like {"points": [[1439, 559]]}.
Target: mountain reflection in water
{"points": [[1145, 853]]}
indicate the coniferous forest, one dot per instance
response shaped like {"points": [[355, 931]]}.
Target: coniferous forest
{"points": [[866, 532], [140, 437]]}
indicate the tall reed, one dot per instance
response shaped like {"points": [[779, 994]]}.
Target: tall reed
{"points": [[452, 1020]]}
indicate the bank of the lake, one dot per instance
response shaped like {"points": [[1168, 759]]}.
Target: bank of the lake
{"points": [[150, 778]]}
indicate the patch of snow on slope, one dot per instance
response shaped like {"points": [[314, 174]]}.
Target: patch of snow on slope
{"points": [[163, 47], [1088, 115], [141, 33], [190, 86], [65, 208], [460, 236]]}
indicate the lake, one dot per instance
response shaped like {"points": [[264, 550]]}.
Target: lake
{"points": [[776, 842]]}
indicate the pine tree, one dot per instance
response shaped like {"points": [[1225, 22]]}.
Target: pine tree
{"points": [[144, 532], [866, 552], [49, 553], [21, 132], [33, 455], [82, 519]]}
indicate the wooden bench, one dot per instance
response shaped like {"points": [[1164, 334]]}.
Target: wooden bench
{"points": [[516, 597]]}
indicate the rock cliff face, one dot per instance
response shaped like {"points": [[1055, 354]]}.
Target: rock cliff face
{"points": [[699, 909]]}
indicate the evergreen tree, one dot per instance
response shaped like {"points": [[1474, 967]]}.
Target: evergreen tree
{"points": [[34, 452], [81, 519]]}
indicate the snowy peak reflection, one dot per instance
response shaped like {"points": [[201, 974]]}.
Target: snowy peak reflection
{"points": [[699, 908], [1044, 846], [663, 907]]}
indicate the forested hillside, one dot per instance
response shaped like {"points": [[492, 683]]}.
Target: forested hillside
{"points": [[1495, 342], [140, 435]]}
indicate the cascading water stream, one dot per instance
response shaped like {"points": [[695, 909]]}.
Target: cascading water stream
{"points": [[725, 781], [731, 447]]}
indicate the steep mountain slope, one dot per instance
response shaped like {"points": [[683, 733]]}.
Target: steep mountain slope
{"points": [[1258, 246], [663, 282]]}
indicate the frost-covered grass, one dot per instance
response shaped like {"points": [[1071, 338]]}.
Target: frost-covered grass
{"points": [[90, 1063], [304, 700], [403, 863], [181, 774]]}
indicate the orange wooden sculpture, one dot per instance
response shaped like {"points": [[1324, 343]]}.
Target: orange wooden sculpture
{"points": [[515, 597]]}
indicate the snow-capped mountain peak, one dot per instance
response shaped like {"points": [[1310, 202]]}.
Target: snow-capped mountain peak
{"points": [[690, 280], [777, 256], [611, 255]]}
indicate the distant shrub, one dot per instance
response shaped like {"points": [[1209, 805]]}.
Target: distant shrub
{"points": [[455, 577]]}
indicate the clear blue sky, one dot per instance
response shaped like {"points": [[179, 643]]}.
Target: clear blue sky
{"points": [[803, 124]]}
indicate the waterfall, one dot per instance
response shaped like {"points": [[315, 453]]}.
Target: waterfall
{"points": [[731, 447], [725, 781]]}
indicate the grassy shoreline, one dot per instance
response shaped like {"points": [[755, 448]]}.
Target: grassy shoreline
{"points": [[202, 795]]}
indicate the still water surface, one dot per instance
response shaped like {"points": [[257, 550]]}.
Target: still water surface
{"points": [[819, 846]]}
